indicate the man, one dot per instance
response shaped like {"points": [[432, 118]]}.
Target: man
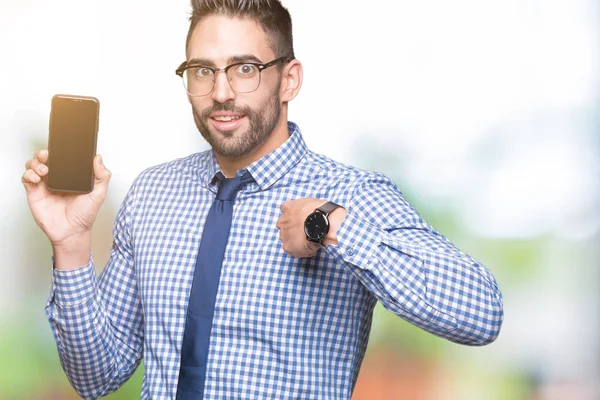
{"points": [[251, 293]]}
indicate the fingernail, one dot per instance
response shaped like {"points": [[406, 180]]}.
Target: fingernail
{"points": [[100, 161], [42, 168]]}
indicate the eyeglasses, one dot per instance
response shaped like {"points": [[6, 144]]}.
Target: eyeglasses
{"points": [[244, 77]]}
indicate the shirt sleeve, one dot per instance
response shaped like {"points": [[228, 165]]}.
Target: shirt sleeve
{"points": [[414, 271], [97, 323]]}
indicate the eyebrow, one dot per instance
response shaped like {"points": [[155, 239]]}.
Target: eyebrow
{"points": [[231, 60]]}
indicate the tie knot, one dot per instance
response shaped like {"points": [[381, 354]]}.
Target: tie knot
{"points": [[229, 187]]}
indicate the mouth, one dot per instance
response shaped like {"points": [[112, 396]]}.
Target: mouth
{"points": [[226, 121]]}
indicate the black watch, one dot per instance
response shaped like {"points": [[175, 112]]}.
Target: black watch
{"points": [[316, 224]]}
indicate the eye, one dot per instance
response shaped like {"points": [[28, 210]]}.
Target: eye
{"points": [[245, 70], [203, 72]]}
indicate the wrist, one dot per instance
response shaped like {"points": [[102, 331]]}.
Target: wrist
{"points": [[73, 252], [336, 217]]}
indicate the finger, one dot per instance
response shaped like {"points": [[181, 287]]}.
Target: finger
{"points": [[42, 155], [30, 177], [29, 162], [39, 168], [30, 180], [39, 156]]}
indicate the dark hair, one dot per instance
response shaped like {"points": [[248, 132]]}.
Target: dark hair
{"points": [[271, 15]]}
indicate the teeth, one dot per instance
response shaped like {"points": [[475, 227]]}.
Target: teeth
{"points": [[226, 118]]}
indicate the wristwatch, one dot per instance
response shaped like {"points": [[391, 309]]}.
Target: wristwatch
{"points": [[316, 225]]}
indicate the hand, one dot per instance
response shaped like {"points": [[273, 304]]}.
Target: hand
{"points": [[291, 226], [63, 217]]}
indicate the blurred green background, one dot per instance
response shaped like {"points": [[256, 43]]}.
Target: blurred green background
{"points": [[485, 114]]}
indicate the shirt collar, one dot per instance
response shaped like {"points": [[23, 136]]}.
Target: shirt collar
{"points": [[269, 169]]}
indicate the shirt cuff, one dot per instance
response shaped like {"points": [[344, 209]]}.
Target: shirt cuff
{"points": [[357, 241], [71, 287]]}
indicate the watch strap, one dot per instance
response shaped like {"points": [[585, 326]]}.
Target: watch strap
{"points": [[328, 207]]}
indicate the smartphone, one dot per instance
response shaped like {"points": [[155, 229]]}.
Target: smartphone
{"points": [[72, 143]]}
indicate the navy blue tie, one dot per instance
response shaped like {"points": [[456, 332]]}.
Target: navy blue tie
{"points": [[201, 306]]}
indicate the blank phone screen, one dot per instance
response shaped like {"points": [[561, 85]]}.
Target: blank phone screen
{"points": [[72, 144]]}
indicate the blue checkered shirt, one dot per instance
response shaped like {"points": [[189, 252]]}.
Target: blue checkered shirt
{"points": [[284, 328]]}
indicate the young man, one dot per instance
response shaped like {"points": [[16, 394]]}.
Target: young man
{"points": [[251, 270]]}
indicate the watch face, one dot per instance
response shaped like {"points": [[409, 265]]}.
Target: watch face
{"points": [[316, 226]]}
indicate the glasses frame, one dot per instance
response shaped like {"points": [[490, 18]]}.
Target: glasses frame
{"points": [[184, 65]]}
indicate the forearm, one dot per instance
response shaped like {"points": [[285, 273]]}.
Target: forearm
{"points": [[425, 281], [92, 356]]}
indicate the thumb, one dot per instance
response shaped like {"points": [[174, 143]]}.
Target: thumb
{"points": [[102, 177], [101, 173]]}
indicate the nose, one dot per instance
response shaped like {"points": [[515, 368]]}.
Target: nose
{"points": [[222, 92]]}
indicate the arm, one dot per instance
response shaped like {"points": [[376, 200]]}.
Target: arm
{"points": [[414, 271], [98, 324]]}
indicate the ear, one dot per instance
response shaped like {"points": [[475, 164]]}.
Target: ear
{"points": [[291, 80]]}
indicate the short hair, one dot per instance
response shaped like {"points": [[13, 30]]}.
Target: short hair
{"points": [[271, 16]]}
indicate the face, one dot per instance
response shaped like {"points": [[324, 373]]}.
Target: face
{"points": [[234, 124]]}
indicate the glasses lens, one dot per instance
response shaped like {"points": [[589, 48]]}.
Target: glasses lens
{"points": [[244, 78], [198, 81]]}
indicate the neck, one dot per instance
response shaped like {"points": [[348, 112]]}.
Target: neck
{"points": [[230, 165]]}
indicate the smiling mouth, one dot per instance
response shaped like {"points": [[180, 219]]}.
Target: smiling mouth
{"points": [[227, 118]]}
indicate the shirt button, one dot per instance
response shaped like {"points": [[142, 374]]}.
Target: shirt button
{"points": [[350, 251]]}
